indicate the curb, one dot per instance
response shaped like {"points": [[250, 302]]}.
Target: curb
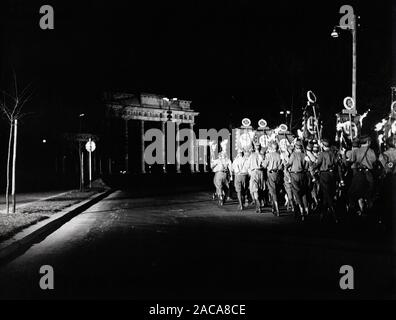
{"points": [[23, 240]]}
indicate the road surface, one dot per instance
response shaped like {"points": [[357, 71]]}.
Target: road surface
{"points": [[184, 246]]}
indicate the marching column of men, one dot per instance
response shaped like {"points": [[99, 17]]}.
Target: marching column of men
{"points": [[310, 177]]}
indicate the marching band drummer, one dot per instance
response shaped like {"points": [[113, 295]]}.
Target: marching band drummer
{"points": [[256, 172], [240, 167], [222, 167], [273, 164]]}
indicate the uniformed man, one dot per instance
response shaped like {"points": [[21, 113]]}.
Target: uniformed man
{"points": [[298, 171], [362, 185], [273, 164], [222, 168], [388, 157], [240, 167], [285, 156], [348, 155], [311, 158], [264, 197], [256, 172], [327, 166], [388, 199]]}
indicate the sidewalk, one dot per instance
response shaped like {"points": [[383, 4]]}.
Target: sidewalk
{"points": [[35, 207], [42, 217]]}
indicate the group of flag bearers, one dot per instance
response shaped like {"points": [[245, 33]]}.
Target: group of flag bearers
{"points": [[312, 177]]}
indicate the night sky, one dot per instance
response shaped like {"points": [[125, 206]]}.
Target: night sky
{"points": [[231, 58]]}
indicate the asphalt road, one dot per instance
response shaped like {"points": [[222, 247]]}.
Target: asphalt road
{"points": [[184, 246]]}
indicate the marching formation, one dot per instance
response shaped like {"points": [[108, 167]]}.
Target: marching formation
{"points": [[310, 177]]}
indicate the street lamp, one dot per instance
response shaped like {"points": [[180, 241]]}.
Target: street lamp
{"points": [[81, 116], [352, 28], [335, 34]]}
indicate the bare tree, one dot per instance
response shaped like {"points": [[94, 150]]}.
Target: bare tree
{"points": [[11, 106]]}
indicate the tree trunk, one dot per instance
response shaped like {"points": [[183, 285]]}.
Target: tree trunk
{"points": [[8, 168], [14, 167]]}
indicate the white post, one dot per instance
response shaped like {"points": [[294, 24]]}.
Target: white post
{"points": [[14, 167], [192, 145], [90, 163]]}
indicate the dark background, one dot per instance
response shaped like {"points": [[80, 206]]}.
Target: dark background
{"points": [[233, 59]]}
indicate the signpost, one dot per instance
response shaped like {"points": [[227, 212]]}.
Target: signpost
{"points": [[90, 146]]}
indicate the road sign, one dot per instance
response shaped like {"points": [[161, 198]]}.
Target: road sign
{"points": [[90, 146]]}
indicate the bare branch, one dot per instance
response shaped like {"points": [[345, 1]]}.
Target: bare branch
{"points": [[15, 82], [7, 94]]}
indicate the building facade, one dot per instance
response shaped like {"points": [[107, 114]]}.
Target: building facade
{"points": [[129, 116]]}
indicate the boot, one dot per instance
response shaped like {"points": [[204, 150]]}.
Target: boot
{"points": [[221, 200], [276, 213], [257, 204], [240, 201], [302, 216]]}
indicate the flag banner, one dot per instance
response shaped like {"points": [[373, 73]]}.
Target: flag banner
{"points": [[344, 126]]}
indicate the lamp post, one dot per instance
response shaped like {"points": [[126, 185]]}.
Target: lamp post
{"points": [[352, 28]]}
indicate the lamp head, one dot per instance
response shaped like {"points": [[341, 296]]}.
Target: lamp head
{"points": [[334, 34]]}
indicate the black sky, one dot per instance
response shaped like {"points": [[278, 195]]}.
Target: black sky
{"points": [[231, 58]]}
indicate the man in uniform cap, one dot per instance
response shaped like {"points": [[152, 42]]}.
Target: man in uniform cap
{"points": [[298, 167], [240, 167], [362, 185], [256, 172], [327, 166], [273, 164]]}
